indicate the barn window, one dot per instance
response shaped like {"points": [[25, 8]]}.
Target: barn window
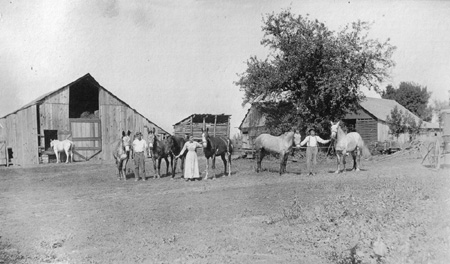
{"points": [[83, 100]]}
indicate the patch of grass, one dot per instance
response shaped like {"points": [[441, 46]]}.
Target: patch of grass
{"points": [[391, 225], [9, 254]]}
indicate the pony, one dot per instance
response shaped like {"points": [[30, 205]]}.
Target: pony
{"points": [[59, 146], [159, 151], [175, 144], [348, 143], [216, 146], [282, 145], [121, 154]]}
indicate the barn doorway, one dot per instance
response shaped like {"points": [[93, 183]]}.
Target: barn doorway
{"points": [[83, 100]]}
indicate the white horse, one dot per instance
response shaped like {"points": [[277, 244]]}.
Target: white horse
{"points": [[60, 146], [348, 143]]}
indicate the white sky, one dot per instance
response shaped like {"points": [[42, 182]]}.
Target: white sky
{"points": [[170, 59]]}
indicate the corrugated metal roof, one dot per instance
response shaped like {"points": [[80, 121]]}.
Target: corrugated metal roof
{"points": [[201, 116]]}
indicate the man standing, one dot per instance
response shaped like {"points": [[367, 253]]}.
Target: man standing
{"points": [[311, 150], [139, 148]]}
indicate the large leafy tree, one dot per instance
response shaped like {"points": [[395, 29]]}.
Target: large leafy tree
{"points": [[313, 74], [412, 96]]}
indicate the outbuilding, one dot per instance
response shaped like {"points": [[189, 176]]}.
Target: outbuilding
{"points": [[91, 116]]}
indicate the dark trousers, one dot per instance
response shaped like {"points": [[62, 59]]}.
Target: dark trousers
{"points": [[139, 164], [311, 157]]}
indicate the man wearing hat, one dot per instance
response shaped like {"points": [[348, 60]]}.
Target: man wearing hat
{"points": [[139, 148], [311, 149]]}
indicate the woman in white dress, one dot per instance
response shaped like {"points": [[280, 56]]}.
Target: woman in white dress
{"points": [[191, 162]]}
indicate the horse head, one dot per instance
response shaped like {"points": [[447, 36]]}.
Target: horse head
{"points": [[52, 143], [334, 129], [205, 137], [297, 138]]}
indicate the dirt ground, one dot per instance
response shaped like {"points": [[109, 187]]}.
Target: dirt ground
{"points": [[394, 211]]}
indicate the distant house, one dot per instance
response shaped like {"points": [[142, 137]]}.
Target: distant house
{"points": [[218, 125], [369, 121], [83, 110]]}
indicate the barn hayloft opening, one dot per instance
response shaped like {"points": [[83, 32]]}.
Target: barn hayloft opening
{"points": [[83, 100]]}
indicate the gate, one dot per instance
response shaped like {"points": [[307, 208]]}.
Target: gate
{"points": [[86, 135]]}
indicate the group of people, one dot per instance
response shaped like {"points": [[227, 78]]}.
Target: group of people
{"points": [[141, 149], [191, 169]]}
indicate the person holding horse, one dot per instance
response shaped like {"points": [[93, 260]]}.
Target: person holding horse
{"points": [[139, 149], [191, 171], [311, 142]]}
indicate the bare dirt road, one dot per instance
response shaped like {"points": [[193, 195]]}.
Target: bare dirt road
{"points": [[395, 211]]}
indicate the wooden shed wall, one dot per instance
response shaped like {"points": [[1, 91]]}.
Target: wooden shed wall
{"points": [[20, 132], [115, 118], [368, 129], [185, 127]]}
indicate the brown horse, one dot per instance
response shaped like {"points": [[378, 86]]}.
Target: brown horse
{"points": [[216, 146], [344, 143], [122, 154], [282, 145], [160, 151], [175, 144]]}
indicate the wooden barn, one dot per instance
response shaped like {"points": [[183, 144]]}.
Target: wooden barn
{"points": [[218, 125], [84, 111], [369, 121], [252, 126]]}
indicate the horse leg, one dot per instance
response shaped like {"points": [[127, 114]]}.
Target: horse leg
{"points": [[286, 156], [259, 157], [67, 155], [173, 166], [224, 164], [338, 158], [357, 159], [214, 166], [229, 164], [124, 169], [167, 165], [343, 161], [282, 156], [207, 167], [159, 167], [154, 166]]}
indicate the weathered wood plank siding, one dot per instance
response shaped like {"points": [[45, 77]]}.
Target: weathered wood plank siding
{"points": [[368, 129], [116, 117], [20, 132]]}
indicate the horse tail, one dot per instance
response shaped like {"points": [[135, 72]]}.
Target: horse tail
{"points": [[229, 146], [365, 150]]}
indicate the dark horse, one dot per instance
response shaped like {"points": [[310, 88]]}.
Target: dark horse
{"points": [[159, 151], [216, 146], [282, 145], [175, 144], [122, 154]]}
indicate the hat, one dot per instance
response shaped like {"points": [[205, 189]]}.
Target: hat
{"points": [[138, 134], [311, 128]]}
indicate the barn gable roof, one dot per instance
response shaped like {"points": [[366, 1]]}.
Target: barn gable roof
{"points": [[87, 78]]}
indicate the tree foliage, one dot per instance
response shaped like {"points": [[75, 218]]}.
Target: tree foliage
{"points": [[312, 74], [400, 123], [412, 96]]}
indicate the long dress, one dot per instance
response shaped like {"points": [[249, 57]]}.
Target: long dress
{"points": [[191, 161]]}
